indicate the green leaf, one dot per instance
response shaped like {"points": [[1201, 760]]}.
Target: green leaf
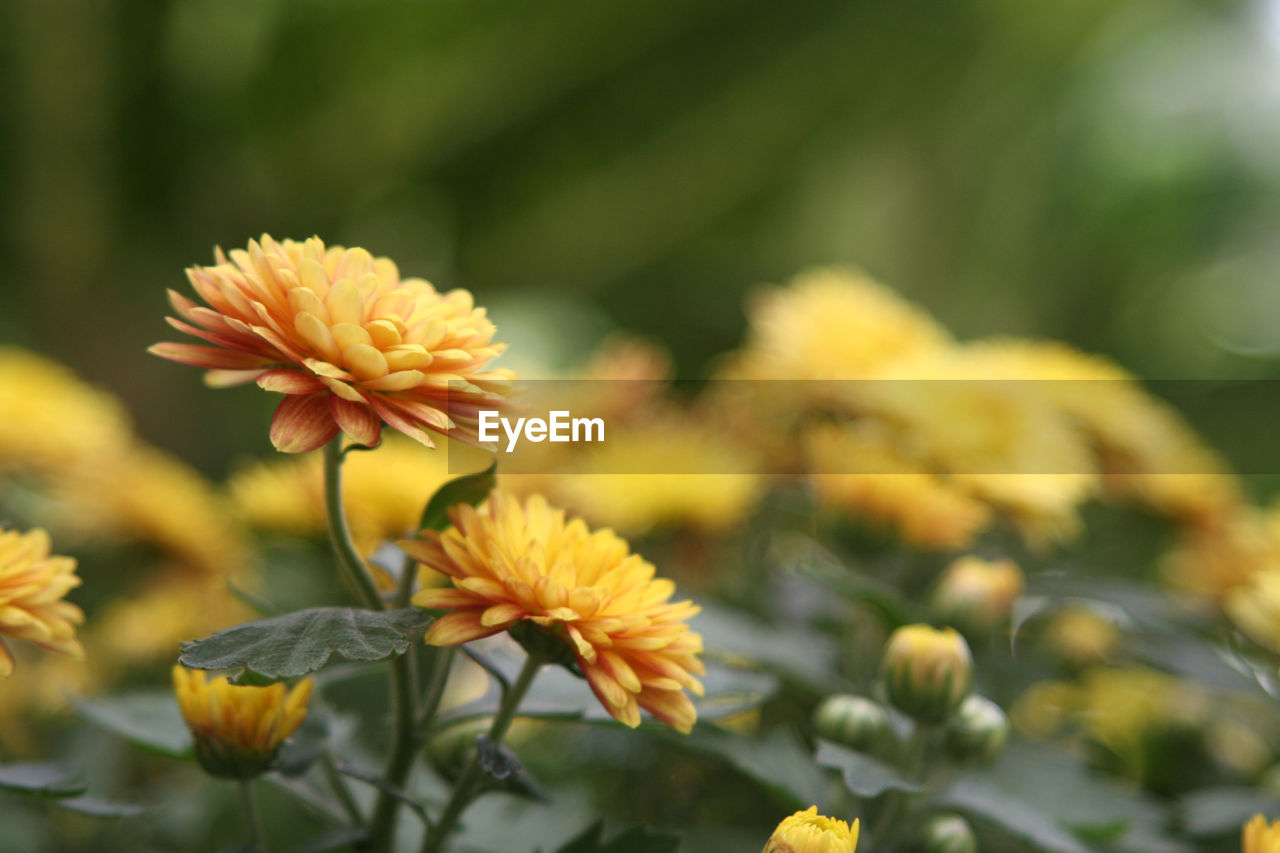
{"points": [[95, 806], [1212, 812], [863, 775], [40, 779], [779, 763], [148, 720], [299, 643], [344, 838], [982, 799], [796, 655], [471, 489]]}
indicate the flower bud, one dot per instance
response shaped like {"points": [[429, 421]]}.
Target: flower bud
{"points": [[927, 672], [810, 832], [853, 721], [977, 731], [945, 833], [1079, 636], [977, 595], [238, 728]]}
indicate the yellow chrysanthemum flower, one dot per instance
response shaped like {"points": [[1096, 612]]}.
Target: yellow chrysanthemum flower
{"points": [[1215, 561], [350, 343], [238, 728], [810, 832], [831, 323], [32, 585], [54, 421], [514, 561], [1079, 636], [1259, 836], [890, 488]]}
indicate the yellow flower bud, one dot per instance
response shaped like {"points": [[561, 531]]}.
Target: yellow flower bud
{"points": [[238, 728], [927, 672], [976, 595], [810, 832], [1079, 636], [1261, 837]]}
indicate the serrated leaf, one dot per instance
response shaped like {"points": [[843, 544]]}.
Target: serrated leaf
{"points": [[863, 775], [95, 806], [40, 779], [300, 643], [148, 720], [471, 489]]}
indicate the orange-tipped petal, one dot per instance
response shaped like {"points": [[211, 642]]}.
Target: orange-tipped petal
{"points": [[288, 381], [199, 355], [357, 420], [458, 628]]}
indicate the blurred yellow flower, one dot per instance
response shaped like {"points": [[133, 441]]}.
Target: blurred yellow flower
{"points": [[698, 479], [512, 561], [1215, 561], [32, 585], [1260, 837], [54, 421], [1079, 636], [238, 728], [350, 343], [1254, 608], [977, 594], [810, 832], [890, 489], [831, 323], [384, 490]]}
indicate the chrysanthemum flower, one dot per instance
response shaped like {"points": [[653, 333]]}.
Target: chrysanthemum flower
{"points": [[238, 728], [810, 832], [512, 562], [1260, 837], [32, 584], [350, 343]]}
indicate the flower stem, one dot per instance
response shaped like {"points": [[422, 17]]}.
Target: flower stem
{"points": [[252, 821], [340, 790], [353, 568], [896, 801], [400, 753], [441, 663], [469, 782]]}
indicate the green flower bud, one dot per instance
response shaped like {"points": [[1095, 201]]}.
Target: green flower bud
{"points": [[945, 833], [853, 721], [927, 672], [977, 731]]}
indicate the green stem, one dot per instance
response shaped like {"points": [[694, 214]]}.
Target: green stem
{"points": [[353, 568], [468, 785], [341, 791], [896, 801], [441, 664], [400, 753], [252, 821]]}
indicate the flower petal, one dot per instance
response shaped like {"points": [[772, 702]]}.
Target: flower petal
{"points": [[289, 381], [199, 355], [302, 424], [356, 420], [458, 628]]}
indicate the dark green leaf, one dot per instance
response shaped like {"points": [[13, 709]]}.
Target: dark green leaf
{"points": [[40, 778], [471, 489], [150, 721], [299, 643], [863, 775], [99, 807], [982, 799], [735, 637], [587, 842]]}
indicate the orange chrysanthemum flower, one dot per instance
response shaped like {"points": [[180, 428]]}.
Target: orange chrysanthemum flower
{"points": [[32, 584], [349, 342], [513, 561]]}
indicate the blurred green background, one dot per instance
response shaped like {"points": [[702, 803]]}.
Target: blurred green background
{"points": [[1101, 172]]}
